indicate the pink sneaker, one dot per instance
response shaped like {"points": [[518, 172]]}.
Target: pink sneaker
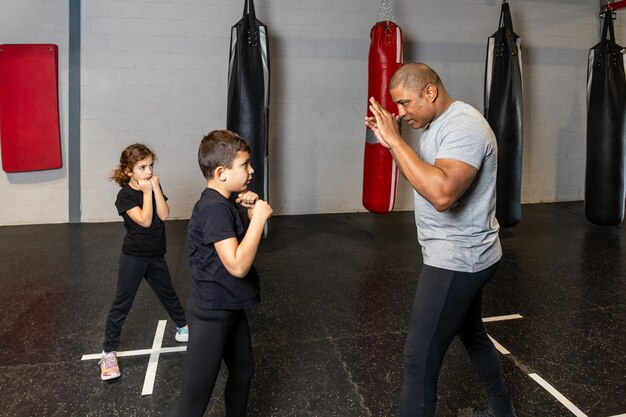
{"points": [[109, 369]]}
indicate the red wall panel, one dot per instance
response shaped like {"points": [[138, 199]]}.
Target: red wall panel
{"points": [[29, 107]]}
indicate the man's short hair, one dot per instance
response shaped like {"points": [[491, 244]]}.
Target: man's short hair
{"points": [[414, 75], [219, 148]]}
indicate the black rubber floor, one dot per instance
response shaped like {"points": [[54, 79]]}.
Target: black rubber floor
{"points": [[328, 336]]}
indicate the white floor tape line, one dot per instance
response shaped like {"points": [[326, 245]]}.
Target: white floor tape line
{"points": [[153, 361], [542, 382], [560, 397], [502, 318]]}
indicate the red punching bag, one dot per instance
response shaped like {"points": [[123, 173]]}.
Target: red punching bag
{"points": [[380, 174]]}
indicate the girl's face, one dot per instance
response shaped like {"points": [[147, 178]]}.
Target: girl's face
{"points": [[142, 170]]}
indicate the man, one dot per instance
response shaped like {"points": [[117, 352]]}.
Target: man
{"points": [[453, 175]]}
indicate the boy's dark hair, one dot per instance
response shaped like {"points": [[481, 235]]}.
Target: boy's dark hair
{"points": [[219, 148]]}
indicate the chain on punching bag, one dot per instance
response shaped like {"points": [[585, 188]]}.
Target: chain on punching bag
{"points": [[380, 174], [606, 130], [504, 107]]}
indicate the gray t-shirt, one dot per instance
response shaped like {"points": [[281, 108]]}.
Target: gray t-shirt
{"points": [[464, 237]]}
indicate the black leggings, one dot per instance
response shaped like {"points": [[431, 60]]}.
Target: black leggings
{"points": [[132, 270], [447, 303], [215, 335]]}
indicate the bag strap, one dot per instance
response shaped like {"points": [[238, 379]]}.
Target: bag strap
{"points": [[253, 33], [248, 9], [505, 16], [608, 26]]}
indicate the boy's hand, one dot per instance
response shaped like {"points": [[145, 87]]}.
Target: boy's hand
{"points": [[145, 185], [261, 208], [154, 180], [247, 199]]}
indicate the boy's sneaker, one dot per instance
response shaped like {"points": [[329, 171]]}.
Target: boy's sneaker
{"points": [[485, 412], [109, 369], [470, 412], [182, 334]]}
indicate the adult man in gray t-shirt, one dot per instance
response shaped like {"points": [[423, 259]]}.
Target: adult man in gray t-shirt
{"points": [[453, 175], [464, 236]]}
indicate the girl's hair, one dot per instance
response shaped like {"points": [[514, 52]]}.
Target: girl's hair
{"points": [[129, 158], [219, 148]]}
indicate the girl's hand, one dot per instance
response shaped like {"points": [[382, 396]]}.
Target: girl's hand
{"points": [[247, 199], [155, 181], [145, 185]]}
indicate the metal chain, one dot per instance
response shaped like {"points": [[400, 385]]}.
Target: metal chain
{"points": [[385, 13]]}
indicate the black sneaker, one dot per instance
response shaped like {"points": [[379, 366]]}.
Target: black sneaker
{"points": [[485, 412]]}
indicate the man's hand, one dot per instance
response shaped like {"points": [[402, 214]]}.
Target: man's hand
{"points": [[384, 124]]}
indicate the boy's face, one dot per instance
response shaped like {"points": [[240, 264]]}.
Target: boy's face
{"points": [[238, 177]]}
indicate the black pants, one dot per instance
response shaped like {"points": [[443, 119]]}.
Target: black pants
{"points": [[131, 271], [447, 303], [215, 335]]}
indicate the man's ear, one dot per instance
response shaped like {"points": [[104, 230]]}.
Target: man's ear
{"points": [[432, 92], [220, 173]]}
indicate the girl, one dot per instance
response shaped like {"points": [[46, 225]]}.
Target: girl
{"points": [[143, 206]]}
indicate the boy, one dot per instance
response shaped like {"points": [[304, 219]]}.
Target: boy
{"points": [[223, 240]]}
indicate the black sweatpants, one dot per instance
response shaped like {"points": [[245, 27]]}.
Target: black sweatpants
{"points": [[131, 271], [215, 335], [447, 303]]}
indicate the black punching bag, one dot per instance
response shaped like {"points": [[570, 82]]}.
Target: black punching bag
{"points": [[248, 92], [606, 114], [504, 106]]}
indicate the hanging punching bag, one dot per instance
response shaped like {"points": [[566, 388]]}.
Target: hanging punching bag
{"points": [[606, 115], [380, 174], [248, 92], [504, 111]]}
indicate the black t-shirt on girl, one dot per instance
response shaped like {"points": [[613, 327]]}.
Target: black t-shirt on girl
{"points": [[139, 240], [216, 218]]}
